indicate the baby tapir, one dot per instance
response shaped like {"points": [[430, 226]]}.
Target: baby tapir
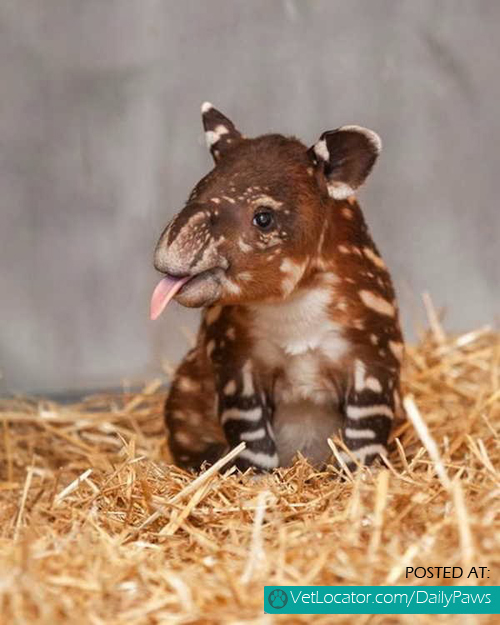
{"points": [[300, 336]]}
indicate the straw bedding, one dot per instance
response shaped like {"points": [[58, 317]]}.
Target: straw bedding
{"points": [[97, 527]]}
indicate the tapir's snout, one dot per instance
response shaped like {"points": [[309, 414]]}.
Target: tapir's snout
{"points": [[191, 257], [188, 245]]}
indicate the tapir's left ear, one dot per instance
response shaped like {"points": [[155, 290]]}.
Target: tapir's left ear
{"points": [[346, 157], [220, 132]]}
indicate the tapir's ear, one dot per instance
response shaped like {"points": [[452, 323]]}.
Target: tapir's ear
{"points": [[346, 157], [220, 133]]}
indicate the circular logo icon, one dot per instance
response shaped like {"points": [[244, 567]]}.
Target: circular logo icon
{"points": [[277, 598]]}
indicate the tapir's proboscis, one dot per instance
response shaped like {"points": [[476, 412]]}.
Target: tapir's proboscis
{"points": [[299, 339]]}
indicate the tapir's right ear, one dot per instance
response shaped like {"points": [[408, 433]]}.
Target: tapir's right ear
{"points": [[220, 132]]}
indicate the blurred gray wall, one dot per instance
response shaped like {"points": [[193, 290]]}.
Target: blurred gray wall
{"points": [[100, 143]]}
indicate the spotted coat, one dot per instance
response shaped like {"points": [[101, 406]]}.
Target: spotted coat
{"points": [[300, 337]]}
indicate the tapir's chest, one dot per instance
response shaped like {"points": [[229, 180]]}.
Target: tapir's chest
{"points": [[297, 347]]}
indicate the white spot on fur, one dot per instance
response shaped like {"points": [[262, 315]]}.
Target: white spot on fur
{"points": [[183, 438], [215, 200], [254, 435], [362, 412], [343, 249], [206, 106], [213, 314], [373, 384], [321, 150], [362, 381], [210, 348], [244, 247], [374, 339], [268, 201], [397, 349], [356, 434], [397, 401], [359, 375], [230, 388], [347, 213], [213, 136], [230, 285], [377, 303], [376, 260], [248, 389], [339, 190], [231, 333], [293, 273], [235, 414], [187, 385], [193, 418]]}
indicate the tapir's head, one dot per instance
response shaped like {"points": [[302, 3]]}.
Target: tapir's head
{"points": [[252, 224]]}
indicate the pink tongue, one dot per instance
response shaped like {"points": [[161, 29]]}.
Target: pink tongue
{"points": [[164, 292]]}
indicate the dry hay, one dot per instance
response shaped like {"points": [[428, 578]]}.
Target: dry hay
{"points": [[96, 527]]}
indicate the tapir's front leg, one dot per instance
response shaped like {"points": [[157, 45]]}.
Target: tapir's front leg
{"points": [[370, 405], [245, 413], [194, 437]]}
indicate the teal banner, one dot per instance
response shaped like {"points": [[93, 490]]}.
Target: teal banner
{"points": [[382, 599]]}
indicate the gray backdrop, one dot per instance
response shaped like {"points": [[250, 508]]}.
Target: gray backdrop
{"points": [[100, 142]]}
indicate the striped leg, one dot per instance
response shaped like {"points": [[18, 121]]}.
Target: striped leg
{"points": [[369, 412], [245, 415]]}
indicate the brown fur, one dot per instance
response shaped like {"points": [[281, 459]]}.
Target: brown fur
{"points": [[317, 244]]}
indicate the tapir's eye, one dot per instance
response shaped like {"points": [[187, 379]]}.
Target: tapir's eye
{"points": [[264, 219]]}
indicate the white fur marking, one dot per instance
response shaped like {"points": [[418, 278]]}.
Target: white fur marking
{"points": [[260, 459], [244, 247], [372, 137], [359, 375], [183, 438], [373, 384], [376, 260], [231, 286], [213, 136], [339, 190], [321, 150], [361, 412], [353, 433], [235, 414], [397, 349], [213, 314], [248, 389], [377, 303], [293, 273], [254, 435], [187, 385], [230, 388]]}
